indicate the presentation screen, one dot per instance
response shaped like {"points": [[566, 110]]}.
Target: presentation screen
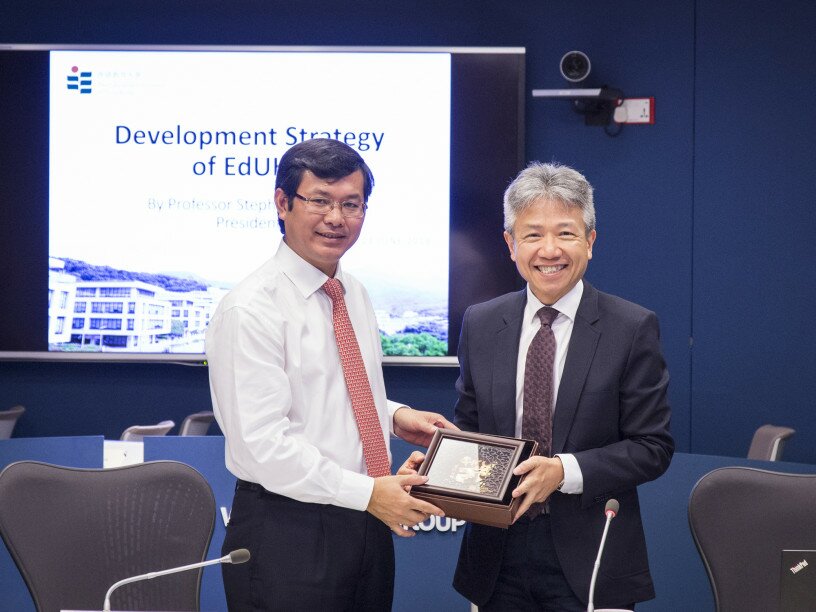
{"points": [[152, 172]]}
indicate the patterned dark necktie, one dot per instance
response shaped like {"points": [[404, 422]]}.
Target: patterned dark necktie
{"points": [[362, 400], [537, 415]]}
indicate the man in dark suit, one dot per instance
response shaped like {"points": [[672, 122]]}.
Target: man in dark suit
{"points": [[604, 410]]}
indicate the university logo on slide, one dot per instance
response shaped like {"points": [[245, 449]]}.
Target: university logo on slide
{"points": [[80, 82]]}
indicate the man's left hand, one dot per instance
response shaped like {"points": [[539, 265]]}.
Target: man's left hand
{"points": [[411, 466], [418, 426], [544, 474]]}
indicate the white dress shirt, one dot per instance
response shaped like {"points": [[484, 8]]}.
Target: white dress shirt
{"points": [[277, 383], [562, 326]]}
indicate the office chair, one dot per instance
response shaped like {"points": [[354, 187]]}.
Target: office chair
{"points": [[136, 433], [8, 419], [769, 442], [197, 424], [741, 520], [75, 532]]}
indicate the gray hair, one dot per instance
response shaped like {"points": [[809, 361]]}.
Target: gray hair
{"points": [[548, 182]]}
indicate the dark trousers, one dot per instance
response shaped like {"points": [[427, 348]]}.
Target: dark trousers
{"points": [[530, 578], [306, 556]]}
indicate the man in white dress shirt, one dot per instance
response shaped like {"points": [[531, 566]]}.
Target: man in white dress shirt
{"points": [[316, 523]]}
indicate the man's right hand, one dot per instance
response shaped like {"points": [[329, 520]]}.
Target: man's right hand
{"points": [[393, 506]]}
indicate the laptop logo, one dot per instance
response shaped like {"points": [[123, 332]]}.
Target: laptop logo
{"points": [[799, 567], [79, 81]]}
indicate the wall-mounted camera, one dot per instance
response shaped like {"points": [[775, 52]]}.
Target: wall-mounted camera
{"points": [[597, 105], [575, 66]]}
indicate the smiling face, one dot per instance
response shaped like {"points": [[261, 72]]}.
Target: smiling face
{"points": [[321, 239], [551, 248]]}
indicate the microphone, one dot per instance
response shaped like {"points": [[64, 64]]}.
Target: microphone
{"points": [[611, 511], [235, 557]]}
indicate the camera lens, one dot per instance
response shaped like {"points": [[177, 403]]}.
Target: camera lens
{"points": [[575, 66]]}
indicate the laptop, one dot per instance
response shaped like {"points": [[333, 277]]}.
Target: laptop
{"points": [[798, 581]]}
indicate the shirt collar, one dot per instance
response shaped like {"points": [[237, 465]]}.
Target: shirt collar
{"points": [[567, 305], [304, 276]]}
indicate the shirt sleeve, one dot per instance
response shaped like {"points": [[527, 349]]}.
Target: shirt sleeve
{"points": [[573, 478], [392, 408], [252, 399]]}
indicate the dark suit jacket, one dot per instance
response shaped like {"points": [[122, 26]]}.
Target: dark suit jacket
{"points": [[611, 413]]}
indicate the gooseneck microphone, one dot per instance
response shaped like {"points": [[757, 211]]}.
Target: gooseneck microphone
{"points": [[235, 557], [611, 511]]}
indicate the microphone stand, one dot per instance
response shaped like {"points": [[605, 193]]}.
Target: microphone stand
{"points": [[237, 556], [611, 510]]}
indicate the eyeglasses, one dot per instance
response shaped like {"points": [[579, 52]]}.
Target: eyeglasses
{"points": [[323, 206]]}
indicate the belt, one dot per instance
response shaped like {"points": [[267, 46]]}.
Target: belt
{"points": [[245, 485]]}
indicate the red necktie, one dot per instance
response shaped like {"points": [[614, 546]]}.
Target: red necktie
{"points": [[362, 400]]}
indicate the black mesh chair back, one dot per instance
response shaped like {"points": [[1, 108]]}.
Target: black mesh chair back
{"points": [[197, 424], [741, 520], [75, 532], [769, 442], [8, 419]]}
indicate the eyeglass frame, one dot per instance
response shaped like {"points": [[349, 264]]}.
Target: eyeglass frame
{"points": [[339, 205]]}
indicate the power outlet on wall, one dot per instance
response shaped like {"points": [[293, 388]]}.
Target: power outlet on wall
{"points": [[635, 110]]}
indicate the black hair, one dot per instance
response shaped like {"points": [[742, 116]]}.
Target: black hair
{"points": [[326, 158]]}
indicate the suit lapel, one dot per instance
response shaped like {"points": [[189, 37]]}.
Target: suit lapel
{"points": [[583, 342], [505, 363]]}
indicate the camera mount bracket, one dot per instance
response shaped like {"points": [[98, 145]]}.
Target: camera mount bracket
{"points": [[596, 105]]}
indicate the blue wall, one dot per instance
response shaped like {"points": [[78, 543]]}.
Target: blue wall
{"points": [[704, 217]]}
